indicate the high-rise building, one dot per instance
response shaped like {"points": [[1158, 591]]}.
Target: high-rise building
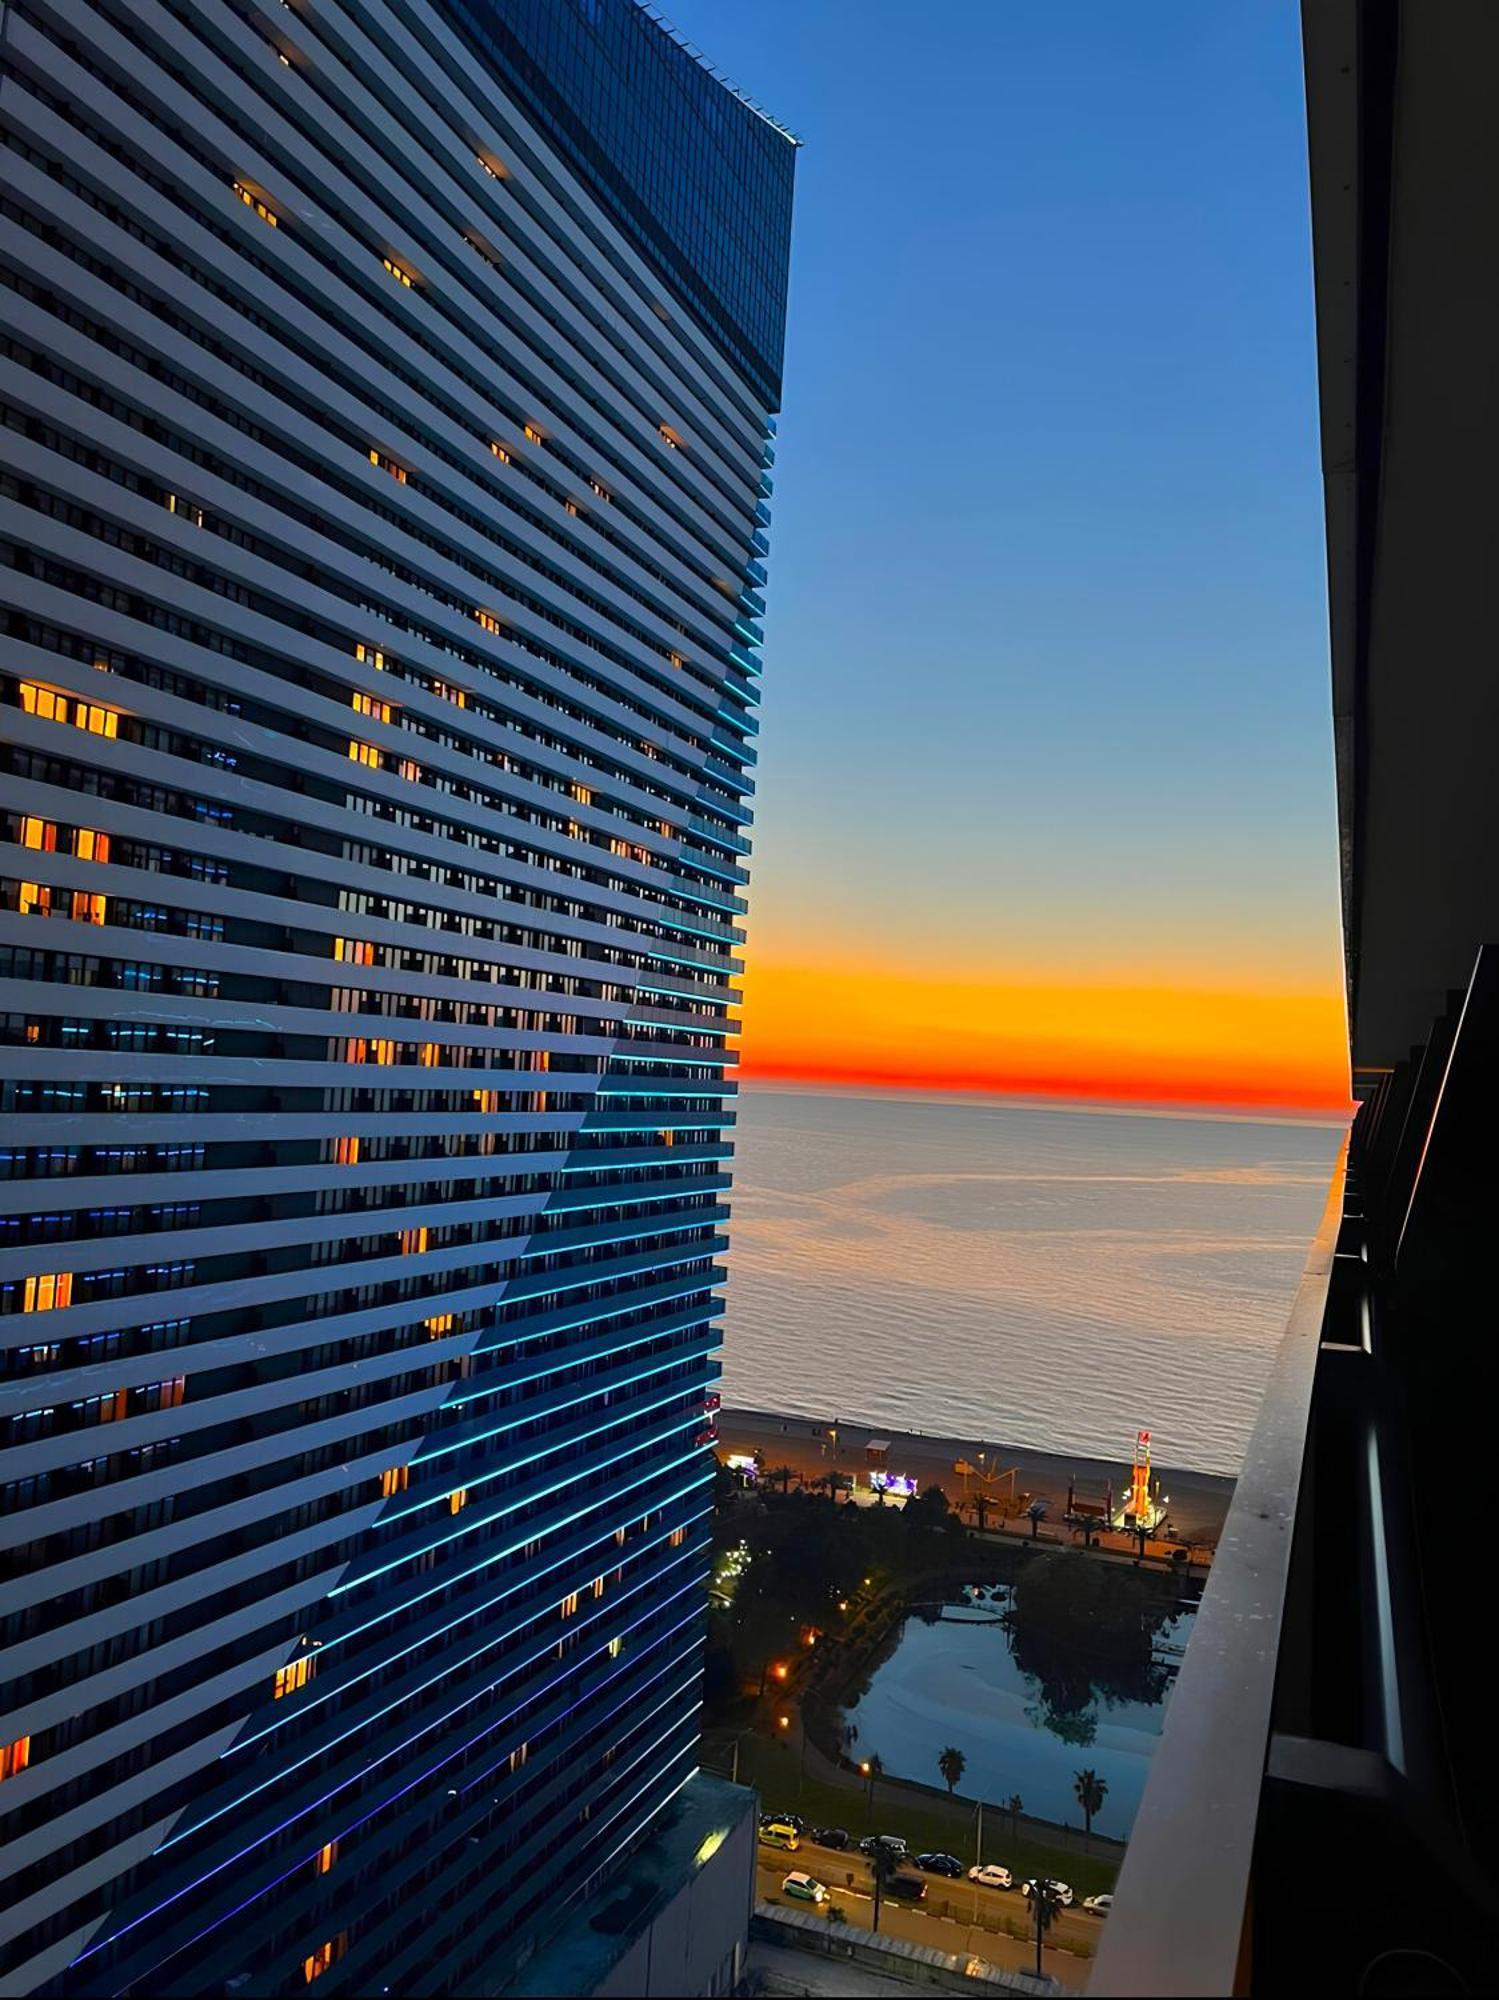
{"points": [[388, 393]]}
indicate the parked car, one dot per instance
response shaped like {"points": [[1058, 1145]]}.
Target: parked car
{"points": [[1099, 1905], [909, 1888], [992, 1876], [891, 1842], [835, 1837], [776, 1833], [788, 1819], [940, 1864], [1060, 1890], [803, 1888]]}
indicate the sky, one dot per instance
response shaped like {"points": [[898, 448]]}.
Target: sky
{"points": [[1046, 799]]}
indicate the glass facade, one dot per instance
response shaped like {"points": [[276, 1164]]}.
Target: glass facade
{"points": [[377, 738], [699, 178]]}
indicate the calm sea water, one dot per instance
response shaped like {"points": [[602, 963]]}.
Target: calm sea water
{"points": [[1052, 1278]]}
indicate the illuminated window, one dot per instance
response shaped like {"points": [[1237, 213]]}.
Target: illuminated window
{"points": [[569, 1605], [404, 277], [358, 1049], [253, 201], [455, 695], [394, 1479], [189, 509], [364, 753], [34, 899], [14, 1757], [354, 951], [317, 1962], [488, 620], [88, 908], [91, 846], [325, 1858], [439, 1324], [487, 1100], [616, 1647], [52, 1290], [114, 1409], [431, 1055], [619, 1536], [500, 452], [40, 833], [519, 1755], [677, 1537], [346, 1152], [601, 491], [397, 472], [533, 436], [678, 662], [570, 507], [670, 437], [173, 1392], [382, 1051], [492, 172], [371, 656], [410, 770], [296, 1675], [54, 707], [368, 705], [598, 1586], [582, 794], [414, 1241], [458, 1501]]}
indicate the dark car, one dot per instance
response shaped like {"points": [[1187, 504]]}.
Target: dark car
{"points": [[909, 1888], [835, 1837], [940, 1864], [787, 1819], [890, 1841]]}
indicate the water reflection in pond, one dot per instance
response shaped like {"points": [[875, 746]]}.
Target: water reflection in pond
{"points": [[1071, 1666]]}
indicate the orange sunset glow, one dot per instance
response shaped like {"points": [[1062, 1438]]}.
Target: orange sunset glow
{"points": [[1125, 1043]]}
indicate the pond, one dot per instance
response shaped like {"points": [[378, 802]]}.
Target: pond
{"points": [[1032, 1681]]}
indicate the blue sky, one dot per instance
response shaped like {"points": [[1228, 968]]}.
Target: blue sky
{"points": [[1046, 639]]}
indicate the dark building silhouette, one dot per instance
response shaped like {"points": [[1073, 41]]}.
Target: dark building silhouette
{"points": [[388, 399]]}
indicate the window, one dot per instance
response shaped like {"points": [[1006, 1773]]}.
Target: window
{"points": [[616, 1647], [601, 491], [500, 452], [598, 1586], [488, 620], [317, 1962], [364, 753], [252, 200], [366, 704], [431, 1055], [397, 472], [533, 436], [414, 1241], [395, 270], [394, 1479], [439, 1324], [91, 846], [354, 951], [53, 1290], [569, 1605], [458, 1501], [410, 770], [325, 1858], [570, 507], [40, 833], [346, 1152], [54, 707], [670, 437], [295, 1675], [34, 899], [88, 908], [370, 656], [14, 1757], [175, 504], [582, 794]]}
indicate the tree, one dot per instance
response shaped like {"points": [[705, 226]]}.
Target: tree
{"points": [[1045, 1904], [872, 1767], [785, 1474], [1037, 1513], [952, 1764], [1091, 1792], [1014, 1806], [884, 1867], [980, 1507]]}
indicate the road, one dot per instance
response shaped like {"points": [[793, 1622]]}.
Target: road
{"points": [[1198, 1500], [966, 1929]]}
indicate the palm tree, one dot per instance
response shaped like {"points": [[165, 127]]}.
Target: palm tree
{"points": [[1091, 1792], [785, 1474], [1037, 1511], [884, 1867], [1045, 1902], [952, 1764], [1014, 1806]]}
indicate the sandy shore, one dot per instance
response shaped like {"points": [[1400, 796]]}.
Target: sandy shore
{"points": [[1198, 1500]]}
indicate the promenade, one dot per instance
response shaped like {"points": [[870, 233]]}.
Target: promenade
{"points": [[1198, 1500]]}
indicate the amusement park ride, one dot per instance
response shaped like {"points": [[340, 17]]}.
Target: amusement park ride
{"points": [[1146, 1506]]}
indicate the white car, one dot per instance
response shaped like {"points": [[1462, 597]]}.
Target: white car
{"points": [[1060, 1890], [803, 1888], [992, 1876], [1099, 1905]]}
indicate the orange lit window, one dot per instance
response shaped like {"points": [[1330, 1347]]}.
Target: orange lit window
{"points": [[414, 1241], [34, 899], [40, 833], [570, 507], [397, 472], [396, 271], [346, 1152], [569, 1605], [616, 1647], [533, 436], [91, 846], [601, 491], [325, 1858], [678, 662], [458, 1501], [52, 1290], [494, 173], [619, 1536], [500, 453], [253, 201], [394, 1479], [439, 1324], [14, 1757], [317, 1962], [371, 656], [367, 705], [598, 1586], [359, 1049], [354, 951], [54, 707], [677, 1537], [431, 1055], [488, 620], [519, 1755], [114, 1409], [382, 1051], [410, 770], [88, 908], [487, 1100], [364, 753], [582, 794], [188, 509], [670, 437], [296, 1675], [455, 695], [173, 1392]]}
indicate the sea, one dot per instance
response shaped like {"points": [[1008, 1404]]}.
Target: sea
{"points": [[1050, 1276]]}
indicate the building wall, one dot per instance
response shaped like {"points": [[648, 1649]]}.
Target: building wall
{"points": [[376, 713]]}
